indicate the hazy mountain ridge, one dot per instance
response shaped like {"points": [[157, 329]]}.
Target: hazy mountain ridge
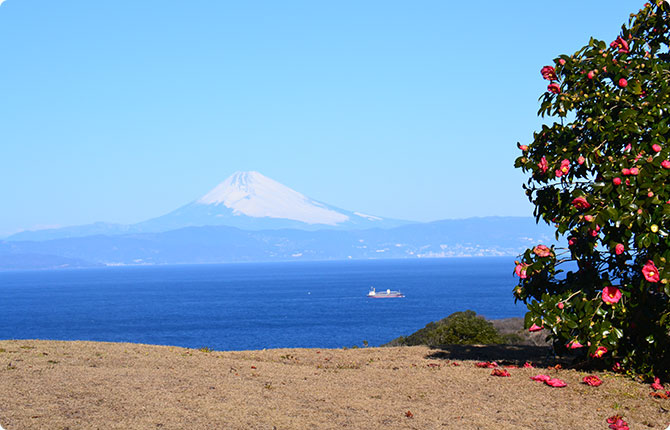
{"points": [[245, 200], [488, 236], [249, 217]]}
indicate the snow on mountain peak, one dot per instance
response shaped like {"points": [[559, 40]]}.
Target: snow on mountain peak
{"points": [[255, 195]]}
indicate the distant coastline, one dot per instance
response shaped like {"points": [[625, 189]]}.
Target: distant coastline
{"points": [[472, 237]]}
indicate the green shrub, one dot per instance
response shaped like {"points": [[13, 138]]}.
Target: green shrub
{"points": [[458, 328]]}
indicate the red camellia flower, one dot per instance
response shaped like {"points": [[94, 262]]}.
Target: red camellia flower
{"points": [[564, 169], [634, 171], [543, 165], [619, 249], [590, 74], [573, 240], [542, 251], [574, 345], [581, 203], [625, 172], [665, 164], [650, 272], [656, 147], [534, 327], [611, 295], [592, 380], [549, 73], [616, 181], [560, 305], [520, 270], [623, 83], [523, 147], [581, 160], [620, 44], [657, 385], [561, 62], [554, 88], [600, 351]]}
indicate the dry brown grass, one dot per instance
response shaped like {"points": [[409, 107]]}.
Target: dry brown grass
{"points": [[88, 385]]}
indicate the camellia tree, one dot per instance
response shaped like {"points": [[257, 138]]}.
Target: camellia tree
{"points": [[601, 175]]}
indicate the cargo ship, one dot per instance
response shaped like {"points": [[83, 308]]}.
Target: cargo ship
{"points": [[388, 294]]}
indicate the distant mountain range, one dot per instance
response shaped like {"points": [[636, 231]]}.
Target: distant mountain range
{"points": [[249, 217], [246, 200]]}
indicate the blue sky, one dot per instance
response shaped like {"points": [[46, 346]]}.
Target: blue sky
{"points": [[121, 110]]}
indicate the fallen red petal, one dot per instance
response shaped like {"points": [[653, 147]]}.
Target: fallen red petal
{"points": [[540, 378], [592, 380], [657, 384], [556, 383], [500, 372]]}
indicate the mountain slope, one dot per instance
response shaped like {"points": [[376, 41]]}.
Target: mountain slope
{"points": [[251, 201]]}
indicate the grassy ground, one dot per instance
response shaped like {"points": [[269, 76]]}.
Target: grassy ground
{"points": [[88, 385]]}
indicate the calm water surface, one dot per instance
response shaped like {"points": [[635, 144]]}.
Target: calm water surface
{"points": [[252, 306]]}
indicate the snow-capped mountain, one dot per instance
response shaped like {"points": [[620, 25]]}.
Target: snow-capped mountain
{"points": [[252, 201], [257, 196], [246, 200]]}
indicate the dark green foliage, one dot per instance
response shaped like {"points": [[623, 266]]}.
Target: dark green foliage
{"points": [[600, 174], [458, 328]]}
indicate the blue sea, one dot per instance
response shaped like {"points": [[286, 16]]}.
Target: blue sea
{"points": [[252, 306]]}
